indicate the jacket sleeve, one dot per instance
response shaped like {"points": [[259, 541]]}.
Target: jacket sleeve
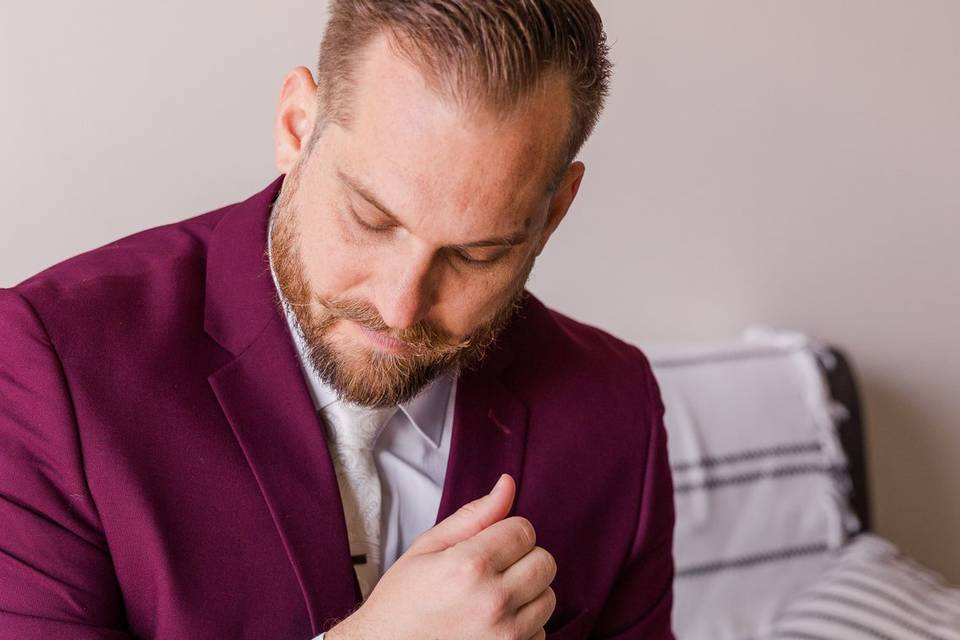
{"points": [[56, 576], [641, 600]]}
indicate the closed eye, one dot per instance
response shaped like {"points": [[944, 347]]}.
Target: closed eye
{"points": [[474, 262], [460, 254], [367, 226]]}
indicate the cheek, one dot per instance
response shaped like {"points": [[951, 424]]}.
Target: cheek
{"points": [[471, 301], [332, 261]]}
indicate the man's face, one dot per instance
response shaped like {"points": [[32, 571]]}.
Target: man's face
{"points": [[404, 241]]}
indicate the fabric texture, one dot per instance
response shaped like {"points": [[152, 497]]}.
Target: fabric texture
{"points": [[759, 478], [352, 431], [164, 474], [872, 590]]}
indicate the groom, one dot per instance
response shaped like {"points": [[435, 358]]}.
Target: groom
{"points": [[180, 410]]}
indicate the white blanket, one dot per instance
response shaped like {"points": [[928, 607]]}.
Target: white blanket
{"points": [[759, 477]]}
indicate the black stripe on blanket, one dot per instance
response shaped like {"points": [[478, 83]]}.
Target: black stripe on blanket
{"points": [[777, 555], [864, 596], [788, 632], [866, 609], [888, 594], [792, 449], [753, 476], [915, 584], [800, 635]]}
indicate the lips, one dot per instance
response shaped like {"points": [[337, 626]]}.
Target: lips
{"points": [[383, 341]]}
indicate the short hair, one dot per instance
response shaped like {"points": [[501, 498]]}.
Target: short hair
{"points": [[480, 53]]}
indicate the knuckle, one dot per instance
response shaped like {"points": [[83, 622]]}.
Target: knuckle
{"points": [[543, 569], [550, 565], [551, 601], [496, 606], [545, 603], [511, 632], [470, 508], [473, 567], [526, 530]]}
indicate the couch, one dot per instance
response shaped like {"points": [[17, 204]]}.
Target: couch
{"points": [[774, 533]]}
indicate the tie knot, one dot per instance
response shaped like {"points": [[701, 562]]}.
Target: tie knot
{"points": [[355, 426]]}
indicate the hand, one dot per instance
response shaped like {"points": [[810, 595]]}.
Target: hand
{"points": [[473, 575]]}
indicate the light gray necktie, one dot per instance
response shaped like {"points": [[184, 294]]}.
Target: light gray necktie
{"points": [[352, 431]]}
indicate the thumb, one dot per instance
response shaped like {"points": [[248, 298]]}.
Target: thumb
{"points": [[468, 520]]}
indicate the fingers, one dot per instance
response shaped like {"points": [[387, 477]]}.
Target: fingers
{"points": [[533, 615], [469, 519], [501, 544], [529, 577]]}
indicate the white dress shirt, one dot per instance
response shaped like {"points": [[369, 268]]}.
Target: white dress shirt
{"points": [[410, 453], [411, 456]]}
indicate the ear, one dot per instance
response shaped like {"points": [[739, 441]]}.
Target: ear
{"points": [[296, 113], [561, 201]]}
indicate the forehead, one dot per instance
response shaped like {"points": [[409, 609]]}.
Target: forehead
{"points": [[423, 151]]}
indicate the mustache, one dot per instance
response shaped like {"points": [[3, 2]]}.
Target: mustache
{"points": [[421, 339]]}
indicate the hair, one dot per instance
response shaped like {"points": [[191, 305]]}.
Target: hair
{"points": [[479, 53]]}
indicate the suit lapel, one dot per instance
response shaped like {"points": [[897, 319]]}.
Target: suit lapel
{"points": [[265, 399], [489, 436]]}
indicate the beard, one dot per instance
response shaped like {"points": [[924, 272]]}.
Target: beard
{"points": [[370, 376]]}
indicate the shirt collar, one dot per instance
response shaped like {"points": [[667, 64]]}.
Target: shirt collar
{"points": [[426, 411]]}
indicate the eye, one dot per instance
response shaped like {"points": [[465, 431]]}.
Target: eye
{"points": [[473, 262], [367, 226]]}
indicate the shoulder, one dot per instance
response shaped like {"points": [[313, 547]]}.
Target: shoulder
{"points": [[558, 341], [132, 257], [123, 289], [581, 369], [129, 271]]}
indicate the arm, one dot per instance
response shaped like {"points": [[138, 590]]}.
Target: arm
{"points": [[56, 576], [640, 603]]}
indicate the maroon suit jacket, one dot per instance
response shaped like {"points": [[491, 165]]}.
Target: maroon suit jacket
{"points": [[163, 474]]}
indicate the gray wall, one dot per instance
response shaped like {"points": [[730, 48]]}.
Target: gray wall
{"points": [[792, 163]]}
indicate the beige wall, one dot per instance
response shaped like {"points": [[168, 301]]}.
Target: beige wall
{"points": [[793, 163]]}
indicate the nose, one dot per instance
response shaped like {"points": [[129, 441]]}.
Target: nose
{"points": [[407, 292]]}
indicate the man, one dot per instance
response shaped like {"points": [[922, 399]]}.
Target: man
{"points": [[284, 418]]}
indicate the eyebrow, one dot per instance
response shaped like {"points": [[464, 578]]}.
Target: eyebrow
{"points": [[509, 240]]}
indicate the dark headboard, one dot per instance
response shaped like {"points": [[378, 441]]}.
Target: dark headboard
{"points": [[843, 388]]}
